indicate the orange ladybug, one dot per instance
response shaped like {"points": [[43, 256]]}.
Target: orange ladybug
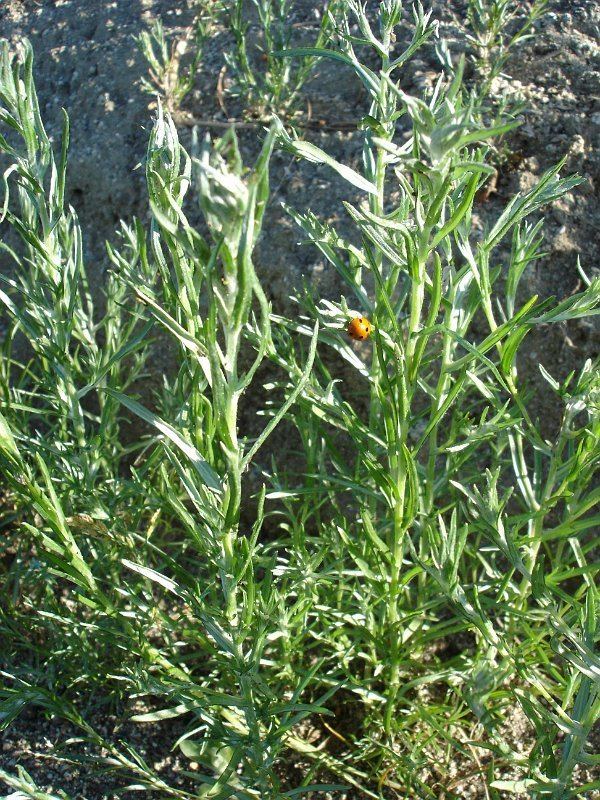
{"points": [[359, 328]]}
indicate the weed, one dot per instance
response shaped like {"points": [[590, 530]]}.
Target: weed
{"points": [[168, 78], [430, 511], [267, 82], [497, 26], [452, 490]]}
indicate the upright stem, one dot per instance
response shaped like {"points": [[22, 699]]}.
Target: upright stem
{"points": [[396, 429]]}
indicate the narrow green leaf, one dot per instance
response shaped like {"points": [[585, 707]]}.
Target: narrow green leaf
{"points": [[369, 78], [152, 575], [206, 472], [314, 154], [288, 403]]}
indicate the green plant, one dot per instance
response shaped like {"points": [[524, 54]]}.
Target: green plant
{"points": [[167, 76], [266, 82], [175, 523], [452, 490], [497, 26], [428, 570], [27, 787], [60, 357], [236, 611]]}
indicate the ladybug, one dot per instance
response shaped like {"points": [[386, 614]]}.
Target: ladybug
{"points": [[359, 328]]}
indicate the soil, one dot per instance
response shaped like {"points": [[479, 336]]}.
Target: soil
{"points": [[87, 62]]}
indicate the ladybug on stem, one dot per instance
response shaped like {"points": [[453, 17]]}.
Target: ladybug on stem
{"points": [[359, 328]]}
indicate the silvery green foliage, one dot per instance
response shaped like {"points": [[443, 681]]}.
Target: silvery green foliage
{"points": [[496, 27], [173, 63], [26, 787], [77, 349], [209, 299], [434, 403], [190, 472], [265, 81], [430, 505], [223, 194]]}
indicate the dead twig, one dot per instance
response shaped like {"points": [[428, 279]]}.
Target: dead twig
{"points": [[221, 90], [189, 120]]}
